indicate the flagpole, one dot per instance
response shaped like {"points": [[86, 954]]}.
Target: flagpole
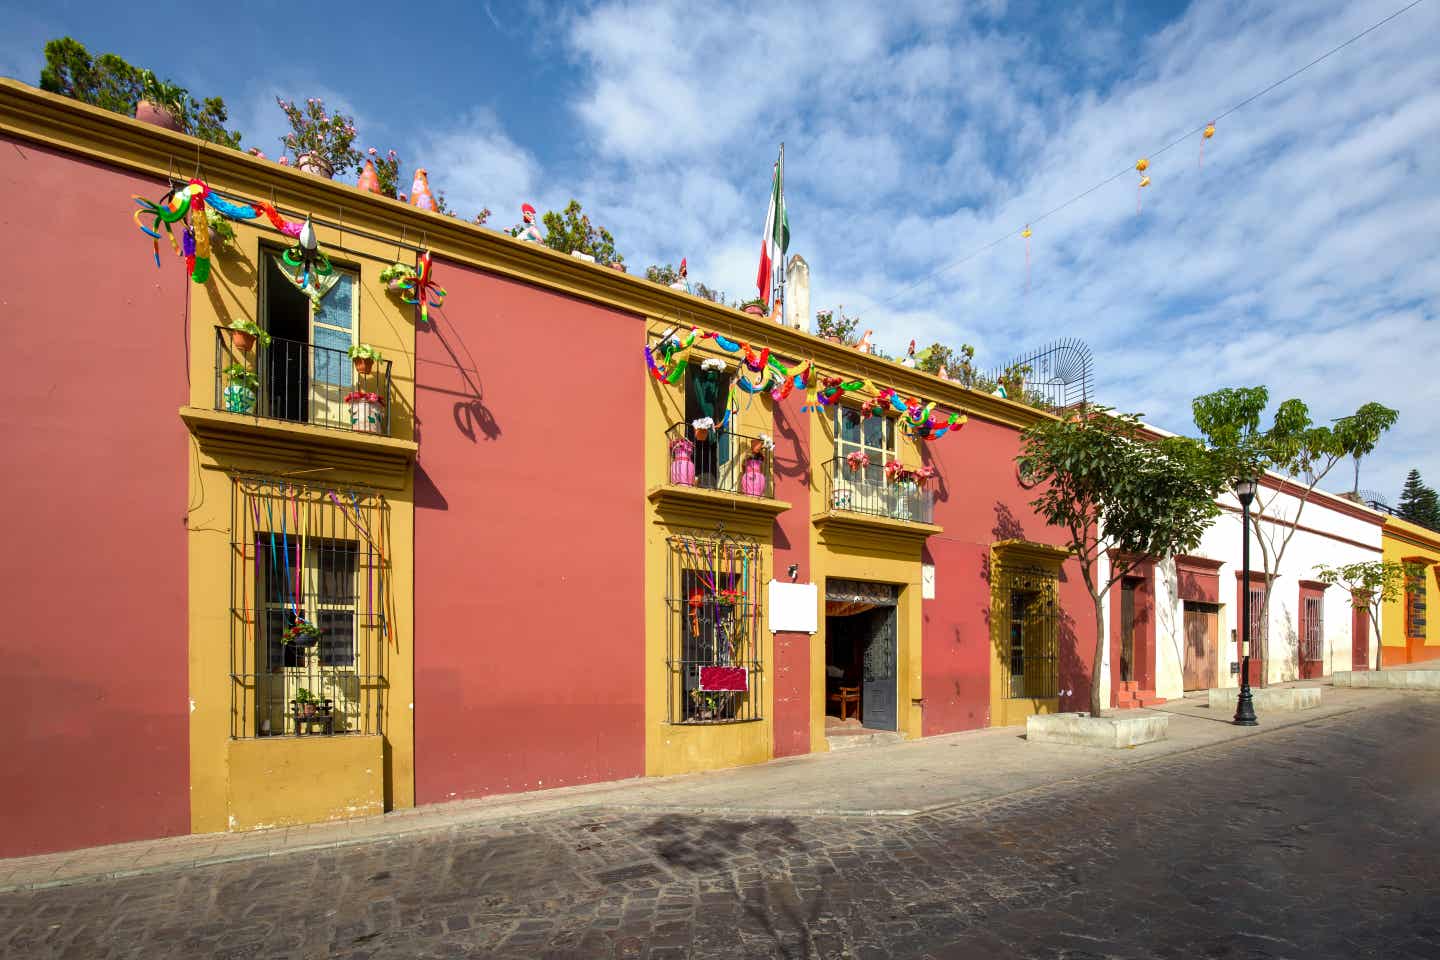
{"points": [[780, 215]]}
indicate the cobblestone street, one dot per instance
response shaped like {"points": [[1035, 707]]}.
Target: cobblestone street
{"points": [[1320, 840]]}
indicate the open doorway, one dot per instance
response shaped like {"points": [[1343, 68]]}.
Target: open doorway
{"points": [[860, 655]]}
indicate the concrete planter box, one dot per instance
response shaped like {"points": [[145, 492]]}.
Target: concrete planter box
{"points": [[1299, 698], [1389, 679], [1081, 729]]}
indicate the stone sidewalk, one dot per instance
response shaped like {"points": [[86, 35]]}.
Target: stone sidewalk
{"points": [[894, 781]]}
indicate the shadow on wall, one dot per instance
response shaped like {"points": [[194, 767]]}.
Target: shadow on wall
{"points": [[427, 495], [787, 466], [470, 413], [1007, 525], [1073, 664]]}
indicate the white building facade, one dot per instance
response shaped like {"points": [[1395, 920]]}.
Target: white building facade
{"points": [[1174, 626]]}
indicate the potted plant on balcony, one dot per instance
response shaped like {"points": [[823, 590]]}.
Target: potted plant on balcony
{"points": [[702, 428], [682, 467], [906, 482], [857, 461], [1012, 380], [364, 356], [239, 394], [244, 334], [367, 411]]}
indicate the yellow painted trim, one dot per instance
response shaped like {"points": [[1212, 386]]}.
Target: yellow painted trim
{"points": [[1027, 551], [674, 500], [838, 524], [1006, 711], [325, 779]]}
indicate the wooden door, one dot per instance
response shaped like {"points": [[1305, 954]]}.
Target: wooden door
{"points": [[1202, 645], [1359, 639]]}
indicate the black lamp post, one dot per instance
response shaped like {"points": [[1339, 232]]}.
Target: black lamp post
{"points": [[1245, 705]]}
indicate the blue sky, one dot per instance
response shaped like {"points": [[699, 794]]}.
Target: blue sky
{"points": [[1304, 254]]}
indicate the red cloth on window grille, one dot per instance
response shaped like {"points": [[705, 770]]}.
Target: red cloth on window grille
{"points": [[724, 679]]}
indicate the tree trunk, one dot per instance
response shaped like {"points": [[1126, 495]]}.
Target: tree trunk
{"points": [[1099, 660], [1379, 643]]}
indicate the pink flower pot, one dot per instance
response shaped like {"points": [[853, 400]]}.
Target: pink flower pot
{"points": [[752, 481], [147, 112], [682, 468]]}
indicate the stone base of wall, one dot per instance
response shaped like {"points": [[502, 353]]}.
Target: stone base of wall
{"points": [[1270, 698], [1081, 729], [1389, 679]]}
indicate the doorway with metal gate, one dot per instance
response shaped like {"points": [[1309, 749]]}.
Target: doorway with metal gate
{"points": [[861, 673]]}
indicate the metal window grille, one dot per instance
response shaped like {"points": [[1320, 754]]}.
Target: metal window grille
{"points": [[1259, 628], [1415, 605], [1029, 631], [1313, 648], [303, 557], [716, 631]]}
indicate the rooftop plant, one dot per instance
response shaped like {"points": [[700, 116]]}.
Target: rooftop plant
{"points": [[315, 131]]}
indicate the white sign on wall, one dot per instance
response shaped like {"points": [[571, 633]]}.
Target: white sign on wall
{"points": [[927, 581], [794, 607]]}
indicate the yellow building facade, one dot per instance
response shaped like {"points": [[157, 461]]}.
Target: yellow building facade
{"points": [[1409, 630]]}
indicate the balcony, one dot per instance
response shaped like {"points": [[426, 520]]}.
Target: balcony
{"points": [[727, 462], [301, 383], [726, 475], [867, 491]]}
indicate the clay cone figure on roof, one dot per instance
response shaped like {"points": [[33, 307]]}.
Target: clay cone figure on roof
{"points": [[420, 191], [369, 179]]}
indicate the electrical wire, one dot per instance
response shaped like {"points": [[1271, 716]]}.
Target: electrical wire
{"points": [[1154, 153]]}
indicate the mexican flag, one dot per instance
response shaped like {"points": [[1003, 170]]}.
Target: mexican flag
{"points": [[776, 239]]}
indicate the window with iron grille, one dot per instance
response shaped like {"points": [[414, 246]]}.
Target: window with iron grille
{"points": [[308, 600], [1026, 606], [1259, 628], [1313, 646], [715, 629], [1415, 603]]}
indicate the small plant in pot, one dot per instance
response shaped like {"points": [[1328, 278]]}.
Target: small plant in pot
{"points": [[302, 633], [702, 427], [242, 383], [754, 306], [308, 706], [323, 144], [244, 334], [364, 356], [367, 411], [857, 461], [222, 232]]}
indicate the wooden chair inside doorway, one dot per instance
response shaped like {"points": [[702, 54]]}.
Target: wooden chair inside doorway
{"points": [[847, 697]]}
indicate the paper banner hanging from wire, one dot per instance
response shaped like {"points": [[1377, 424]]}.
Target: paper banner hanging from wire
{"points": [[420, 290], [1205, 134], [183, 206], [1026, 234], [1142, 165]]}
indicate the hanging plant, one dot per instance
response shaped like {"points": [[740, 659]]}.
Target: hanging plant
{"points": [[702, 427], [244, 334], [301, 633], [365, 357], [394, 276], [858, 461]]}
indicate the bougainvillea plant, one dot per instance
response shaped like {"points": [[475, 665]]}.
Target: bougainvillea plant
{"points": [[387, 170], [313, 131], [858, 460], [899, 473], [364, 396]]}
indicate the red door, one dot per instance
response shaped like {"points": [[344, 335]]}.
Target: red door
{"points": [[1257, 630], [1359, 638]]}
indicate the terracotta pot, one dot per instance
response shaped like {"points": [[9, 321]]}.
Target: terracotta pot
{"points": [[702, 433], [311, 163], [755, 310], [242, 341], [364, 365], [147, 112]]}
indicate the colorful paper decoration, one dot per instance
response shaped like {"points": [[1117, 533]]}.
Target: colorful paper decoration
{"points": [[420, 195], [307, 258], [1205, 134], [721, 679], [174, 207], [1142, 165], [369, 179], [420, 290]]}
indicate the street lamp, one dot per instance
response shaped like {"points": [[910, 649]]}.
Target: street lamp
{"points": [[1245, 705]]}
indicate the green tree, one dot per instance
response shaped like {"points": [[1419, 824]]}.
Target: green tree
{"points": [[1295, 447], [1418, 503], [1115, 494], [109, 82], [664, 276], [571, 231], [709, 293], [1360, 432], [1372, 584]]}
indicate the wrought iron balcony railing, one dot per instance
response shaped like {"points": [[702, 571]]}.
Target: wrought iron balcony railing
{"points": [[302, 383], [867, 490], [722, 460]]}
